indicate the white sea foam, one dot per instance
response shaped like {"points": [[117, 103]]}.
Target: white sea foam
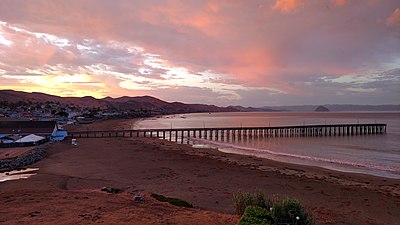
{"points": [[378, 155], [304, 157]]}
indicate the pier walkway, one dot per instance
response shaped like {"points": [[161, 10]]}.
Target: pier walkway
{"points": [[228, 133]]}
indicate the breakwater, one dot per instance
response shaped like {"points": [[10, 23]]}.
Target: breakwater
{"points": [[26, 159]]}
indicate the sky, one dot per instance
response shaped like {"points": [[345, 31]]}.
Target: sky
{"points": [[226, 52]]}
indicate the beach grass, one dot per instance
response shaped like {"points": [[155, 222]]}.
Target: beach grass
{"points": [[242, 200]]}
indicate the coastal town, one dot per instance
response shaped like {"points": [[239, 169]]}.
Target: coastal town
{"points": [[54, 111], [26, 123]]}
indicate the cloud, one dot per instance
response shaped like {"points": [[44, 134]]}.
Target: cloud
{"points": [[287, 6], [341, 2], [228, 49], [394, 19]]}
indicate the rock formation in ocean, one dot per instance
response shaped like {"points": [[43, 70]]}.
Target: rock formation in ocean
{"points": [[321, 109]]}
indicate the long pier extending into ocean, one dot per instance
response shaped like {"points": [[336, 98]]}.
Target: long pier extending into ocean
{"points": [[228, 133]]}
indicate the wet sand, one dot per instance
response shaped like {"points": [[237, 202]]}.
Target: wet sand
{"points": [[206, 178]]}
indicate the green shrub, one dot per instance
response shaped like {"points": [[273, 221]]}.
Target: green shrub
{"points": [[173, 201], [242, 200], [282, 211], [255, 215], [290, 210]]}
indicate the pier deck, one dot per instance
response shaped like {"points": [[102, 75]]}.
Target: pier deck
{"points": [[238, 132]]}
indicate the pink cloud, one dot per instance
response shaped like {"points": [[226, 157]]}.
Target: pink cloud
{"points": [[341, 2], [394, 19], [248, 42], [26, 50], [287, 6]]}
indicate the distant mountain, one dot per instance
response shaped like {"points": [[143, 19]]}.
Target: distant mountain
{"points": [[252, 109], [20, 96], [147, 104], [337, 108], [363, 107], [321, 109]]}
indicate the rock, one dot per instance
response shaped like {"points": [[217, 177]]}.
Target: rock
{"points": [[31, 157], [138, 198], [321, 109], [105, 189], [110, 190]]}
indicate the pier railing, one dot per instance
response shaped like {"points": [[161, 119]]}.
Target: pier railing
{"points": [[239, 132]]}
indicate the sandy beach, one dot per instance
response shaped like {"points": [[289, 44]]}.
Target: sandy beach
{"points": [[66, 188]]}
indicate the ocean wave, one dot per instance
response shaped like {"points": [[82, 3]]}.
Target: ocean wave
{"points": [[310, 158]]}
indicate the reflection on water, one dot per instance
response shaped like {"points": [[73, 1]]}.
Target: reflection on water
{"points": [[17, 174]]}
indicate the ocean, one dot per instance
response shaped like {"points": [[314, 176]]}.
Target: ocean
{"points": [[375, 154]]}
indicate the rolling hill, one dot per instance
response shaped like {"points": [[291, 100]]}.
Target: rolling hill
{"points": [[125, 103]]}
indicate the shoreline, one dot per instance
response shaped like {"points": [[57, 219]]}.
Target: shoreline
{"points": [[285, 168], [121, 124], [351, 169], [206, 178]]}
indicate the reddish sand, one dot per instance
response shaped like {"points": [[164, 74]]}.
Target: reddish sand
{"points": [[204, 177], [6, 153], [94, 207]]}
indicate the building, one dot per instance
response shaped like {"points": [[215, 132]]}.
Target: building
{"points": [[26, 133], [45, 129], [31, 139]]}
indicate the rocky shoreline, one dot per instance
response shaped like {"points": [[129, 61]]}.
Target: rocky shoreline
{"points": [[29, 158]]}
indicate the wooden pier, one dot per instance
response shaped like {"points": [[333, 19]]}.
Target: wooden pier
{"points": [[231, 133]]}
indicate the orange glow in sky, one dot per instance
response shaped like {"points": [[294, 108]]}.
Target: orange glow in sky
{"points": [[251, 53]]}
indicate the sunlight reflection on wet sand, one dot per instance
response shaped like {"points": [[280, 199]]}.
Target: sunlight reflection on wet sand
{"points": [[17, 174]]}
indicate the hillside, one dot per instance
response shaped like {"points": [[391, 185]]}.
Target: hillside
{"points": [[11, 96], [147, 104], [154, 106]]}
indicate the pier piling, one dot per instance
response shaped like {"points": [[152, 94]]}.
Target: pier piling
{"points": [[237, 133]]}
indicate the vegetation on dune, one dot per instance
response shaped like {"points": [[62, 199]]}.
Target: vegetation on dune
{"points": [[291, 210], [173, 201], [242, 200], [255, 215], [255, 208]]}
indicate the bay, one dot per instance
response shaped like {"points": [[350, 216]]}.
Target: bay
{"points": [[377, 155]]}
